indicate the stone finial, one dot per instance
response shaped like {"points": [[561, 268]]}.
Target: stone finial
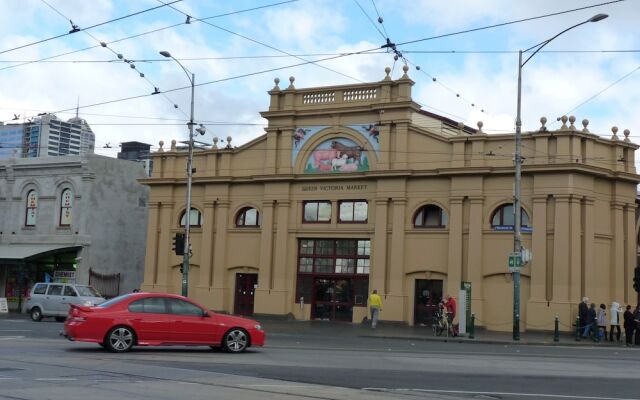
{"points": [[614, 129], [161, 143], [626, 135], [543, 121], [276, 81], [585, 123], [291, 80], [564, 120], [387, 71], [215, 141], [572, 119], [229, 137], [405, 68], [461, 126], [480, 125], [173, 145]]}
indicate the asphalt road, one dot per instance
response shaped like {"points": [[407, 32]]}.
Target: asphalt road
{"points": [[36, 363]]}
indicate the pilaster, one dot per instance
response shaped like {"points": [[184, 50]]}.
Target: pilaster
{"points": [[617, 254], [454, 275], [219, 290], [561, 250], [378, 269]]}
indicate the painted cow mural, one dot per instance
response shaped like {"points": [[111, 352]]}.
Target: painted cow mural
{"points": [[337, 155]]}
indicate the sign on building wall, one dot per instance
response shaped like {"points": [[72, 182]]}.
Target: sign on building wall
{"points": [[64, 276], [4, 307]]}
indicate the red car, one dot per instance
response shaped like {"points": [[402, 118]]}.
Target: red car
{"points": [[154, 319]]}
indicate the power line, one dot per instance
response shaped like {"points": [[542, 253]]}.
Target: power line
{"points": [[264, 44], [384, 35], [508, 23], [143, 34], [77, 29]]}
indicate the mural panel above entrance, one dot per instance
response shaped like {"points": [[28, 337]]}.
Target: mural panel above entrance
{"points": [[337, 155]]}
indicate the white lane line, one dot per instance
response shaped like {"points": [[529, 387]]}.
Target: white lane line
{"points": [[6, 379], [281, 385], [56, 379], [16, 330], [563, 396], [11, 337]]}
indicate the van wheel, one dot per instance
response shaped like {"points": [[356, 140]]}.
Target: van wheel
{"points": [[60, 319], [36, 314]]}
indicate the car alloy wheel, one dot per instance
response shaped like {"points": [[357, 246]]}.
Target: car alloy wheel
{"points": [[36, 314], [120, 339], [236, 340]]}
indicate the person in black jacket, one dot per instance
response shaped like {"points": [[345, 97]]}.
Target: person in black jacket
{"points": [[591, 327], [629, 325], [583, 313]]}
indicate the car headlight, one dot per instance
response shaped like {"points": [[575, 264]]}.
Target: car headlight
{"points": [[258, 327], [87, 303]]}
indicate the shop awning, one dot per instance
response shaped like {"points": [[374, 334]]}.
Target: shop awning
{"points": [[25, 252]]}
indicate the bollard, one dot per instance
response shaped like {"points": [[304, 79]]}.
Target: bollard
{"points": [[472, 326], [577, 328], [556, 331]]}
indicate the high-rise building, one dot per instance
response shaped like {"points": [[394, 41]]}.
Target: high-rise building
{"points": [[47, 135], [137, 151], [11, 140]]}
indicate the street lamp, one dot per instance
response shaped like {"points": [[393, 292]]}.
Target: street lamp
{"points": [[187, 223], [517, 248]]}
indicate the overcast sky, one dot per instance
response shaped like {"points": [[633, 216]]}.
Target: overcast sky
{"points": [[582, 63]]}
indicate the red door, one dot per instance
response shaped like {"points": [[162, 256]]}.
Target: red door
{"points": [[245, 290]]}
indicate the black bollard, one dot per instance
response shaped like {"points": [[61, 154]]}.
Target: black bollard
{"points": [[577, 329], [556, 331], [472, 327]]}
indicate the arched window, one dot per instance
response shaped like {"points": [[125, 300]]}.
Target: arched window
{"points": [[66, 204], [248, 217], [504, 216], [195, 218], [32, 208], [430, 216]]}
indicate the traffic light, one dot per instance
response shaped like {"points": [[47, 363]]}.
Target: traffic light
{"points": [[636, 279], [178, 244]]}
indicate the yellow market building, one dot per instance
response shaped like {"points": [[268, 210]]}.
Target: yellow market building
{"points": [[354, 188]]}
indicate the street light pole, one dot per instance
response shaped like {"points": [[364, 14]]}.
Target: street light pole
{"points": [[187, 222], [517, 242]]}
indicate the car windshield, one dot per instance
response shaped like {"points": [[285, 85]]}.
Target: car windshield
{"points": [[113, 301], [87, 291]]}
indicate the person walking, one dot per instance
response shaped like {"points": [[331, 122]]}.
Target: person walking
{"points": [[614, 320], [602, 322], [636, 324], [629, 325], [375, 305], [591, 320]]}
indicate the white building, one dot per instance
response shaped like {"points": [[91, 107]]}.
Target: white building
{"points": [[47, 135]]}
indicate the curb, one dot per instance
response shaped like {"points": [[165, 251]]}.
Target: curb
{"points": [[495, 341]]}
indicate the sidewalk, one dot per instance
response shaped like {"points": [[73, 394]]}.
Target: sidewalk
{"points": [[326, 329]]}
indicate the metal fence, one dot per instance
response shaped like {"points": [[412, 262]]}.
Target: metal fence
{"points": [[107, 284]]}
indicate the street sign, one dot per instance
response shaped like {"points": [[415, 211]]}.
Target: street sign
{"points": [[515, 262]]}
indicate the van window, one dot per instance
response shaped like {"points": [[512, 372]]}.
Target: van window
{"points": [[69, 291], [41, 288], [87, 291], [55, 290]]}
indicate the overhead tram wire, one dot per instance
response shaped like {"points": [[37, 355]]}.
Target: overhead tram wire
{"points": [[334, 57], [600, 92], [119, 56], [143, 34], [509, 23], [313, 62], [77, 29], [384, 35]]}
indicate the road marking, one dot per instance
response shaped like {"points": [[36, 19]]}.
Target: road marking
{"points": [[56, 379], [16, 330], [273, 385], [563, 396], [11, 337]]}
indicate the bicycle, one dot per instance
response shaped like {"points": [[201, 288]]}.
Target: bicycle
{"points": [[440, 323]]}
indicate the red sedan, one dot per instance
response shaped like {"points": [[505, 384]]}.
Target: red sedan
{"points": [[154, 319]]}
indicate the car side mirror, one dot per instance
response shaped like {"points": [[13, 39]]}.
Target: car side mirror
{"points": [[205, 314]]}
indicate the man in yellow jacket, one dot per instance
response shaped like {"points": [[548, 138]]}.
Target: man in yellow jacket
{"points": [[375, 305]]}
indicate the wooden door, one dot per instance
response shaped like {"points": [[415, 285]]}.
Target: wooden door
{"points": [[245, 293]]}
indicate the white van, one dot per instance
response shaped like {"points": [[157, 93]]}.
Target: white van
{"points": [[53, 299]]}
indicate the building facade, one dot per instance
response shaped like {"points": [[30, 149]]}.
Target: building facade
{"points": [[11, 138], [47, 135], [354, 188], [138, 152], [66, 216]]}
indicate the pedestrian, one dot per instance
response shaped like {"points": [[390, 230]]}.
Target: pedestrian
{"points": [[591, 320], [451, 307], [602, 322], [375, 305], [615, 320], [583, 313], [636, 320], [629, 325]]}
